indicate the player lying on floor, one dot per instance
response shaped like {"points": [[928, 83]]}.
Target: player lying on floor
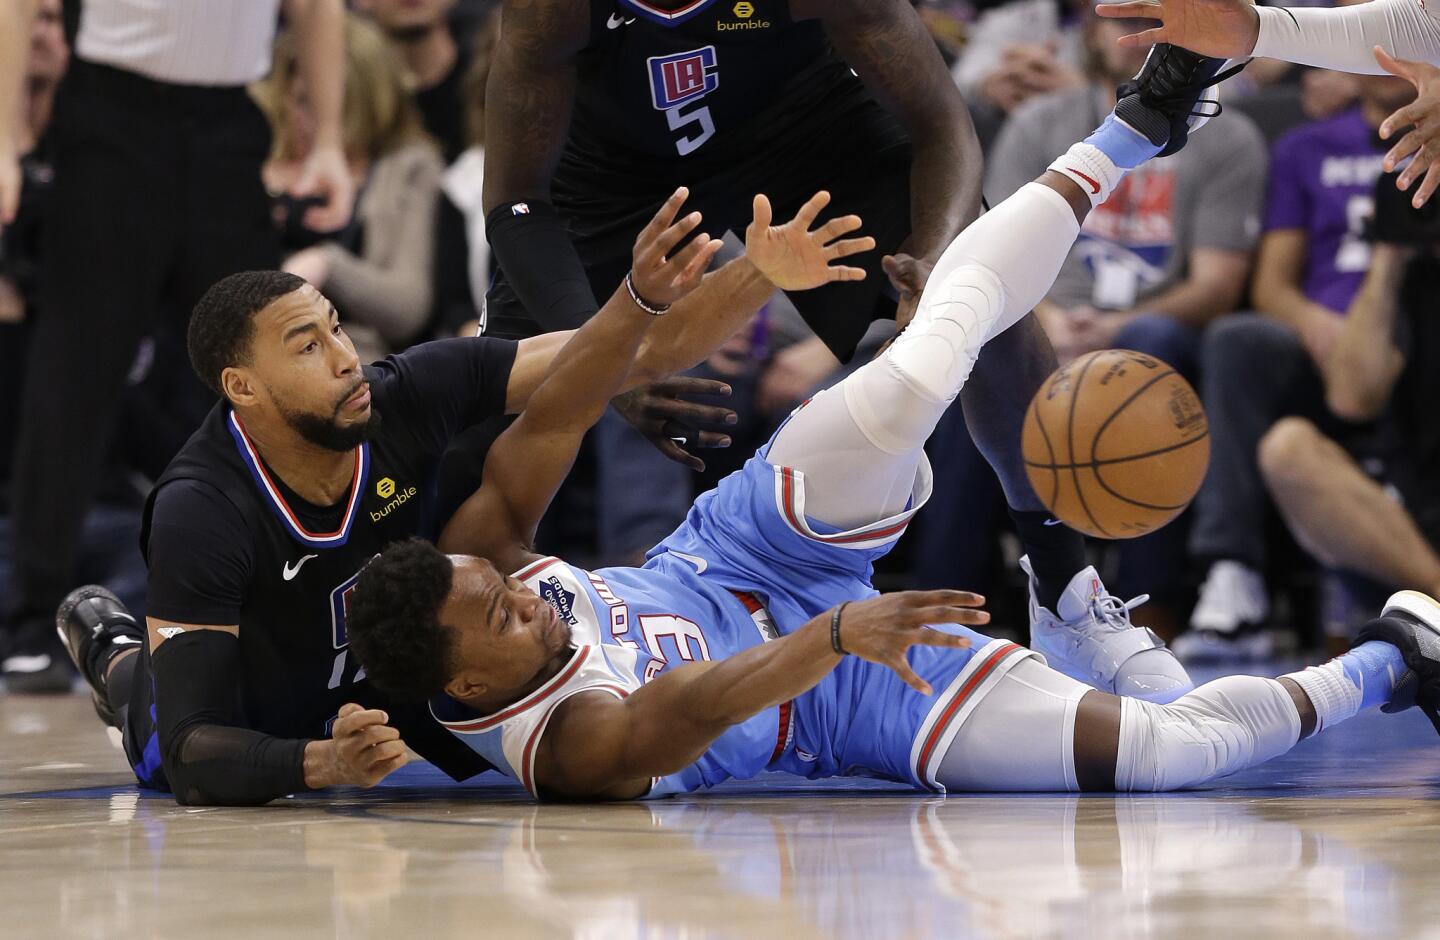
{"points": [[752, 640]]}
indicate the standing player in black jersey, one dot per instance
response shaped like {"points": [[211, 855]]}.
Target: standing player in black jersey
{"points": [[596, 108], [243, 689]]}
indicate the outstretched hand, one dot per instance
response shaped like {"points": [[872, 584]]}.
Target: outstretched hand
{"points": [[1225, 29], [659, 277], [793, 257], [657, 410], [882, 629], [1422, 117]]}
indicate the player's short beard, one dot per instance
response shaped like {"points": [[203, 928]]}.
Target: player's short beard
{"points": [[329, 433]]}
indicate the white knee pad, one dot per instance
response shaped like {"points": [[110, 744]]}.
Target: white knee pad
{"points": [[1221, 727], [939, 347]]}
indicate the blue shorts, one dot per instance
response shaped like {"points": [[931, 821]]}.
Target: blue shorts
{"points": [[751, 534]]}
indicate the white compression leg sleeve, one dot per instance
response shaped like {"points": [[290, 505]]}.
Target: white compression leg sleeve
{"points": [[1341, 38], [1220, 728], [859, 443]]}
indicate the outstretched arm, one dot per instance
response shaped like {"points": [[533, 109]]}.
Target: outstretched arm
{"points": [[599, 747], [894, 54], [530, 460]]}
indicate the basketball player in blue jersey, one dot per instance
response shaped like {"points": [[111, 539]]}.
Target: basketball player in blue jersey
{"points": [[597, 109], [752, 640]]}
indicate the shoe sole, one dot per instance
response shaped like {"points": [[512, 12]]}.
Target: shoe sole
{"points": [[1421, 606]]}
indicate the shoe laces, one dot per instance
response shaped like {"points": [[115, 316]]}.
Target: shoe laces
{"points": [[1114, 613]]}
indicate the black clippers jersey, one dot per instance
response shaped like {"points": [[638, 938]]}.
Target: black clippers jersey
{"points": [[297, 669], [713, 78]]}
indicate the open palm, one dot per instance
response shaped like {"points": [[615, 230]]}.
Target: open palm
{"points": [[795, 257], [1221, 28]]}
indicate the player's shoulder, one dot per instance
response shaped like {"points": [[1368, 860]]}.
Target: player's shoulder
{"points": [[542, 29]]}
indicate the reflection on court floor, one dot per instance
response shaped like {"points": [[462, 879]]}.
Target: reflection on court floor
{"points": [[1336, 839]]}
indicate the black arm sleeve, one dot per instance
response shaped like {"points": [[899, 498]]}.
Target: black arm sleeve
{"points": [[210, 760], [534, 251], [435, 389]]}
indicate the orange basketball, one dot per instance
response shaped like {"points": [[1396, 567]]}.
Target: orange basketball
{"points": [[1116, 444]]}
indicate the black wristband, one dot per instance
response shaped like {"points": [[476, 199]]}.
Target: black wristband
{"points": [[655, 310], [835, 630]]}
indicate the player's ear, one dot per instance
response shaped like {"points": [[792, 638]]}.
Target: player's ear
{"points": [[238, 384], [464, 686]]}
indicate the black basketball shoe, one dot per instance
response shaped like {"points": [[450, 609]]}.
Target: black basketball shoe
{"points": [[1164, 100], [1411, 622], [94, 626]]}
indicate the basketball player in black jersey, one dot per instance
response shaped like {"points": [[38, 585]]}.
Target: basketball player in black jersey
{"points": [[243, 688], [596, 108]]}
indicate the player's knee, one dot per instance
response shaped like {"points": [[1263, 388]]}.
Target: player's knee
{"points": [[939, 348], [1221, 727], [1289, 452]]}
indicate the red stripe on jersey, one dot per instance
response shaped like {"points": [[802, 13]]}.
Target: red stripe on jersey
{"points": [[527, 756], [530, 701], [966, 690], [787, 490], [278, 500], [782, 737], [664, 14], [534, 568]]}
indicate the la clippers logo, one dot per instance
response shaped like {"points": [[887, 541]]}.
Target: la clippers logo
{"points": [[553, 593], [683, 77], [340, 609]]}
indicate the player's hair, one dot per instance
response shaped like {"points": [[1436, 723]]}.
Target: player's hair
{"points": [[394, 621], [223, 322]]}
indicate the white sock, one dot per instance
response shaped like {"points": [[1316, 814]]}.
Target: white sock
{"points": [[1334, 696]]}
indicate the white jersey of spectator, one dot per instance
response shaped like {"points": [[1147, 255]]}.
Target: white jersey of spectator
{"points": [[1342, 38], [186, 42]]}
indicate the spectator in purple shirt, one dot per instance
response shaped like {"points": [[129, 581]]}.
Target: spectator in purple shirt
{"points": [[1260, 367]]}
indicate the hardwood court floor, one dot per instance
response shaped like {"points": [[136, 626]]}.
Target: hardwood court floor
{"points": [[1340, 838]]}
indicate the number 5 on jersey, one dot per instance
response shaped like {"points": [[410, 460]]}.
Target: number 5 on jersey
{"points": [[678, 81]]}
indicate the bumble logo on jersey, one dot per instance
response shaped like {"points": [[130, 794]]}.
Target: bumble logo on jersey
{"points": [[743, 11], [386, 489]]}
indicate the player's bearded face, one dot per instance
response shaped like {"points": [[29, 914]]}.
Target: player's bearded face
{"points": [[328, 429]]}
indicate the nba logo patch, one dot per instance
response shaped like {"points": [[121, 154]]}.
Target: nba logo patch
{"points": [[683, 77], [520, 208]]}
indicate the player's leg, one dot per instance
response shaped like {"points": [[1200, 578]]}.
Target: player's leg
{"points": [[1038, 730], [860, 442], [1323, 493]]}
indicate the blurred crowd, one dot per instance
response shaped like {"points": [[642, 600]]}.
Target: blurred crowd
{"points": [[1265, 262]]}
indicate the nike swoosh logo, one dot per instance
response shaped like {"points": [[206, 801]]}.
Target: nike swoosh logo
{"points": [[1094, 186], [124, 641], [1051, 522], [699, 563], [290, 573], [615, 22]]}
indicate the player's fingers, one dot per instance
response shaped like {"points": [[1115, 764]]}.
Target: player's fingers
{"points": [[678, 454], [1144, 38], [902, 669], [694, 413], [380, 753], [1403, 148], [1394, 66], [936, 638], [695, 270], [688, 386], [969, 616], [844, 273], [357, 721], [945, 598], [833, 229], [1408, 116], [1413, 171], [350, 708], [1137, 9], [379, 734], [712, 440], [1428, 187], [664, 215], [660, 248], [847, 247], [813, 205], [377, 772], [760, 208]]}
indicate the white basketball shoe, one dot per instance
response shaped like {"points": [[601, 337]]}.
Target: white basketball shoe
{"points": [[1089, 637]]}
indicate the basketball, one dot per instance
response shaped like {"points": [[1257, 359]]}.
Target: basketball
{"points": [[1116, 444]]}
